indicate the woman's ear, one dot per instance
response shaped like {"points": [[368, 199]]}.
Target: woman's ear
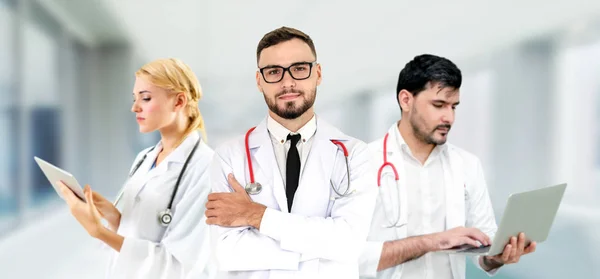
{"points": [[181, 100]]}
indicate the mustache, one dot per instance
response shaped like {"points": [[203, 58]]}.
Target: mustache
{"points": [[442, 126], [286, 91]]}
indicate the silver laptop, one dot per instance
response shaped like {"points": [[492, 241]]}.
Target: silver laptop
{"points": [[530, 212]]}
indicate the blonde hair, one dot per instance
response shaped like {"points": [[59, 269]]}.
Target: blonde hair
{"points": [[175, 76]]}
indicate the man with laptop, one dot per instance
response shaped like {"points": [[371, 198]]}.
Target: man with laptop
{"points": [[432, 195]]}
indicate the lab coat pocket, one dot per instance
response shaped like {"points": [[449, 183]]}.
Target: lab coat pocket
{"points": [[150, 204]]}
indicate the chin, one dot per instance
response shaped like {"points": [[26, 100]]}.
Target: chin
{"points": [[284, 106], [144, 129], [442, 140]]}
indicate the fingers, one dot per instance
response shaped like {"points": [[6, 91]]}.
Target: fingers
{"points": [[507, 252], [98, 197], [237, 187], [514, 249], [88, 193], [530, 248], [212, 213], [67, 194], [209, 213], [468, 240], [521, 244], [218, 196], [212, 220], [478, 235], [89, 197], [214, 204]]}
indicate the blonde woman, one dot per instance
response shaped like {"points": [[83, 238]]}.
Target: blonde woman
{"points": [[159, 231]]}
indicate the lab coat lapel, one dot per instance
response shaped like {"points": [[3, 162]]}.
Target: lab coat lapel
{"points": [[143, 174], [455, 188], [455, 201], [266, 171], [178, 156], [320, 162], [323, 151]]}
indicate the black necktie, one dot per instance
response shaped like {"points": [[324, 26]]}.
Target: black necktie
{"points": [[292, 170]]}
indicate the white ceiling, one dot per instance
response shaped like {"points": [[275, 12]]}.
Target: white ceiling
{"points": [[361, 44]]}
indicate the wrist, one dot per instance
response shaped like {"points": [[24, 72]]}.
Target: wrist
{"points": [[99, 232], [255, 215], [489, 263], [111, 239], [116, 220], [430, 242]]}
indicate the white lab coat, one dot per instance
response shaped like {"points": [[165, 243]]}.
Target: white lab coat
{"points": [[467, 204], [150, 250], [320, 238]]}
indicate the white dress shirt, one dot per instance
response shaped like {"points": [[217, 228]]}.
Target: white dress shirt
{"points": [[426, 210], [450, 173], [281, 144]]}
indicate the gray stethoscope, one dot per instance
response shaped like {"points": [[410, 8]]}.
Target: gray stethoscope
{"points": [[165, 216], [254, 188], [386, 163]]}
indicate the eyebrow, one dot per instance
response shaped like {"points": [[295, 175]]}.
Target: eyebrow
{"points": [[444, 102], [144, 91], [273, 65]]}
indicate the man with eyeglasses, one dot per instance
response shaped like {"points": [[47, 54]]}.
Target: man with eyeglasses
{"points": [[292, 197]]}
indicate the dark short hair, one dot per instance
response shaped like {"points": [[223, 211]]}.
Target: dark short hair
{"points": [[283, 34], [428, 69]]}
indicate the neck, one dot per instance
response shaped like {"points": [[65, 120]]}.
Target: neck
{"points": [[294, 124], [172, 135], [418, 148]]}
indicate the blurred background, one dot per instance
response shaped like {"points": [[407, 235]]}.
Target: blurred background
{"points": [[530, 102]]}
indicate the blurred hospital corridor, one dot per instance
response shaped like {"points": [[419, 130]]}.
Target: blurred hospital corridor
{"points": [[529, 106]]}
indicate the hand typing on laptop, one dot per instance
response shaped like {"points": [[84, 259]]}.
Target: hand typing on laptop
{"points": [[470, 240], [457, 237]]}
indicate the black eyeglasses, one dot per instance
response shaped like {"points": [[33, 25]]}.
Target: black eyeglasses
{"points": [[298, 71]]}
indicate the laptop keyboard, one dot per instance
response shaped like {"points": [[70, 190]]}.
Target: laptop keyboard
{"points": [[480, 249]]}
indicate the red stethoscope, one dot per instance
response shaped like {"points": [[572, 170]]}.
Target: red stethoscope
{"points": [[386, 163], [392, 222], [254, 188]]}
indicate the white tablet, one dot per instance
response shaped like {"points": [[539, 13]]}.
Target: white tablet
{"points": [[55, 174]]}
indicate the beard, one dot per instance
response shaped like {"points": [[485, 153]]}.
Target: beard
{"points": [[421, 132], [290, 109]]}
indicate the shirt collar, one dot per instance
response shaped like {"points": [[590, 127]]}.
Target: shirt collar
{"points": [[280, 133]]}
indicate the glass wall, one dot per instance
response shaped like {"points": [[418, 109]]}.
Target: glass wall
{"points": [[7, 107], [32, 94]]}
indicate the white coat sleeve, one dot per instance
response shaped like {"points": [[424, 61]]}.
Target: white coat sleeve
{"points": [[340, 237], [480, 213], [285, 239], [185, 241], [369, 258], [244, 248]]}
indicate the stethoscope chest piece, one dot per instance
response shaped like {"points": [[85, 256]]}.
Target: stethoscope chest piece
{"points": [[165, 217], [253, 188]]}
